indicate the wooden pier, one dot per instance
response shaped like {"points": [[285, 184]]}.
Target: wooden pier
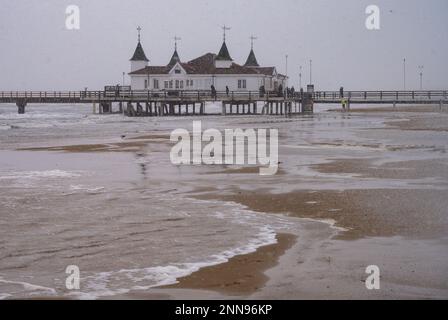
{"points": [[193, 102], [166, 103], [382, 97]]}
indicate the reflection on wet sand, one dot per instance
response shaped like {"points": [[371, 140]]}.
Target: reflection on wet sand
{"points": [[133, 221]]}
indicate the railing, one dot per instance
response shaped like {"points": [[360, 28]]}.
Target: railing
{"points": [[324, 96], [40, 94], [137, 94], [434, 95]]}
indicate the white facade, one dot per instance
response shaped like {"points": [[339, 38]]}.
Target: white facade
{"points": [[201, 82], [137, 65], [184, 81], [202, 73]]}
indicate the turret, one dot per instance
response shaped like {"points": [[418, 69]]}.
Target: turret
{"points": [[251, 59], [175, 58], [139, 59], [223, 59]]}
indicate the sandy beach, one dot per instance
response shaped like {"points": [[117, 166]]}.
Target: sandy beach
{"points": [[373, 222], [374, 194]]}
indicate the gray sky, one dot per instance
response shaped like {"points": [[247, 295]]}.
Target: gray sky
{"points": [[38, 53]]}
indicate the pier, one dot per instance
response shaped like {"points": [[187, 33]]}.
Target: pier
{"points": [[193, 102], [166, 103]]}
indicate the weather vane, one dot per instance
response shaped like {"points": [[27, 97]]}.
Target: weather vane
{"points": [[252, 38], [176, 38], [138, 30], [224, 28]]}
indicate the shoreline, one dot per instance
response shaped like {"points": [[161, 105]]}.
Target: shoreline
{"points": [[241, 275], [378, 223]]}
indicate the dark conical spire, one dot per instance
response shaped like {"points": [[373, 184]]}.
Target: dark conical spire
{"points": [[174, 59], [251, 60], [139, 53], [224, 53]]}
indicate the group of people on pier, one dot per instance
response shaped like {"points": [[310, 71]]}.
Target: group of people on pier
{"points": [[280, 92]]}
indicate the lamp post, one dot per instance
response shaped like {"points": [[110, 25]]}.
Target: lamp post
{"points": [[311, 71], [122, 83], [286, 76], [404, 74], [148, 80], [421, 76]]}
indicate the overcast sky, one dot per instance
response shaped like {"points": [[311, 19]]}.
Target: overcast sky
{"points": [[39, 53]]}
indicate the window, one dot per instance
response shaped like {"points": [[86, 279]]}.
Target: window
{"points": [[166, 84], [171, 84], [156, 84], [181, 84], [146, 83], [177, 84], [244, 84], [241, 84], [177, 71], [191, 83]]}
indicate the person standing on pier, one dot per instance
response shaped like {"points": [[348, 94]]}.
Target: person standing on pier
{"points": [[262, 91], [117, 90], [213, 89], [227, 91], [280, 91]]}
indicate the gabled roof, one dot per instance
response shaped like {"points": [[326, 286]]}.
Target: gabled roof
{"points": [[177, 65], [174, 59], [251, 60], [139, 54], [282, 76], [152, 70], [268, 71], [205, 64], [224, 53]]}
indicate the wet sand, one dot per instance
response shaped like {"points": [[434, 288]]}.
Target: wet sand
{"points": [[401, 229], [137, 144], [381, 226], [391, 109], [363, 213], [241, 275]]}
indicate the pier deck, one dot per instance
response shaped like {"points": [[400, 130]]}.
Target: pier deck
{"points": [[165, 102]]}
